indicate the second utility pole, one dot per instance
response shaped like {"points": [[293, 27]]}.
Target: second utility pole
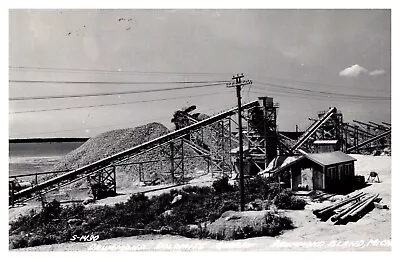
{"points": [[238, 84]]}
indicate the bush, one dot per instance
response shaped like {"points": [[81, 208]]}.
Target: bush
{"points": [[257, 205], [286, 200], [24, 223], [199, 190], [140, 214], [18, 241], [36, 241], [74, 211], [51, 210], [222, 185], [229, 205], [260, 188]]}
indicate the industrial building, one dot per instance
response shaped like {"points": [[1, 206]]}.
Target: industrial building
{"points": [[322, 165]]}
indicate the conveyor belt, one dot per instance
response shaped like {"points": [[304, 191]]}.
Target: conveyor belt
{"points": [[109, 161]]}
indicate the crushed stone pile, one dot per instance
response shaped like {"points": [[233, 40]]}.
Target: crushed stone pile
{"points": [[115, 141], [110, 143]]}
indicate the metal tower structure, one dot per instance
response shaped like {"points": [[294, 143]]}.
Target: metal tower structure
{"points": [[261, 134]]}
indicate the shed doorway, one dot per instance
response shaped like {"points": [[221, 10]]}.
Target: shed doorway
{"points": [[318, 180], [307, 178]]}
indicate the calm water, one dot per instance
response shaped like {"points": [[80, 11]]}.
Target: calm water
{"points": [[27, 158]]}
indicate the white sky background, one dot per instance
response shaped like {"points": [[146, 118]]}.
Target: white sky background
{"points": [[349, 49]]}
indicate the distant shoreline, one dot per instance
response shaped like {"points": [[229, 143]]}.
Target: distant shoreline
{"points": [[290, 134], [48, 140]]}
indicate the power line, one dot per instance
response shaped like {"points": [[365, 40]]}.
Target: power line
{"points": [[318, 97], [121, 103], [308, 83], [138, 72], [112, 93], [96, 127], [116, 82], [317, 92], [267, 84]]}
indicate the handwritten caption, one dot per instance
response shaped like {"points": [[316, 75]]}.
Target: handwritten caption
{"points": [[333, 243], [239, 245], [85, 238]]}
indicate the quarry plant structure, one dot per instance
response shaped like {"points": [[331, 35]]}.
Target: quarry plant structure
{"points": [[200, 144]]}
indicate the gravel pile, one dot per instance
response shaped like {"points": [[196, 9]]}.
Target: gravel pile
{"points": [[112, 142], [109, 143]]}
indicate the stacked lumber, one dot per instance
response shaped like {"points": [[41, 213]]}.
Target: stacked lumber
{"points": [[348, 209], [321, 196]]}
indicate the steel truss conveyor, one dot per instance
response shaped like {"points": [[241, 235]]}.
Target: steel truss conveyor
{"points": [[104, 169], [312, 129]]}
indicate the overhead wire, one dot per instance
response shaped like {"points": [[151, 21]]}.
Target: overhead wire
{"points": [[317, 97], [112, 93], [280, 86], [120, 103], [101, 126], [85, 128], [116, 82], [138, 72], [319, 85], [284, 89]]}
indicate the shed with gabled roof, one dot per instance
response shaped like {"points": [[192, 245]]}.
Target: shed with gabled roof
{"points": [[323, 146], [333, 172]]}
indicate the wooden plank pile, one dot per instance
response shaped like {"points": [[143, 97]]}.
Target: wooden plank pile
{"points": [[348, 209], [321, 196]]}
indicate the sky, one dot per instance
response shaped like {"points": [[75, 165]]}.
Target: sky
{"points": [[307, 60]]}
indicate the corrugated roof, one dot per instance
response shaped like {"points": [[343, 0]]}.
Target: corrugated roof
{"points": [[330, 158]]}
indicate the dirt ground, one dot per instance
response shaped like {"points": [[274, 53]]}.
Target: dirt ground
{"points": [[371, 233]]}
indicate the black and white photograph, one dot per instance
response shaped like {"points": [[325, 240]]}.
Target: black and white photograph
{"points": [[188, 129]]}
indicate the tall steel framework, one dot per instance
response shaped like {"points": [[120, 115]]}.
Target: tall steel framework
{"points": [[211, 140], [368, 137], [214, 141], [261, 134]]}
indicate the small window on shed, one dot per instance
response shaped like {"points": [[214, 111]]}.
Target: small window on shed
{"points": [[332, 172], [348, 169]]}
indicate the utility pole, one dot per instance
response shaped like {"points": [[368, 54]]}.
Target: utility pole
{"points": [[238, 84]]}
